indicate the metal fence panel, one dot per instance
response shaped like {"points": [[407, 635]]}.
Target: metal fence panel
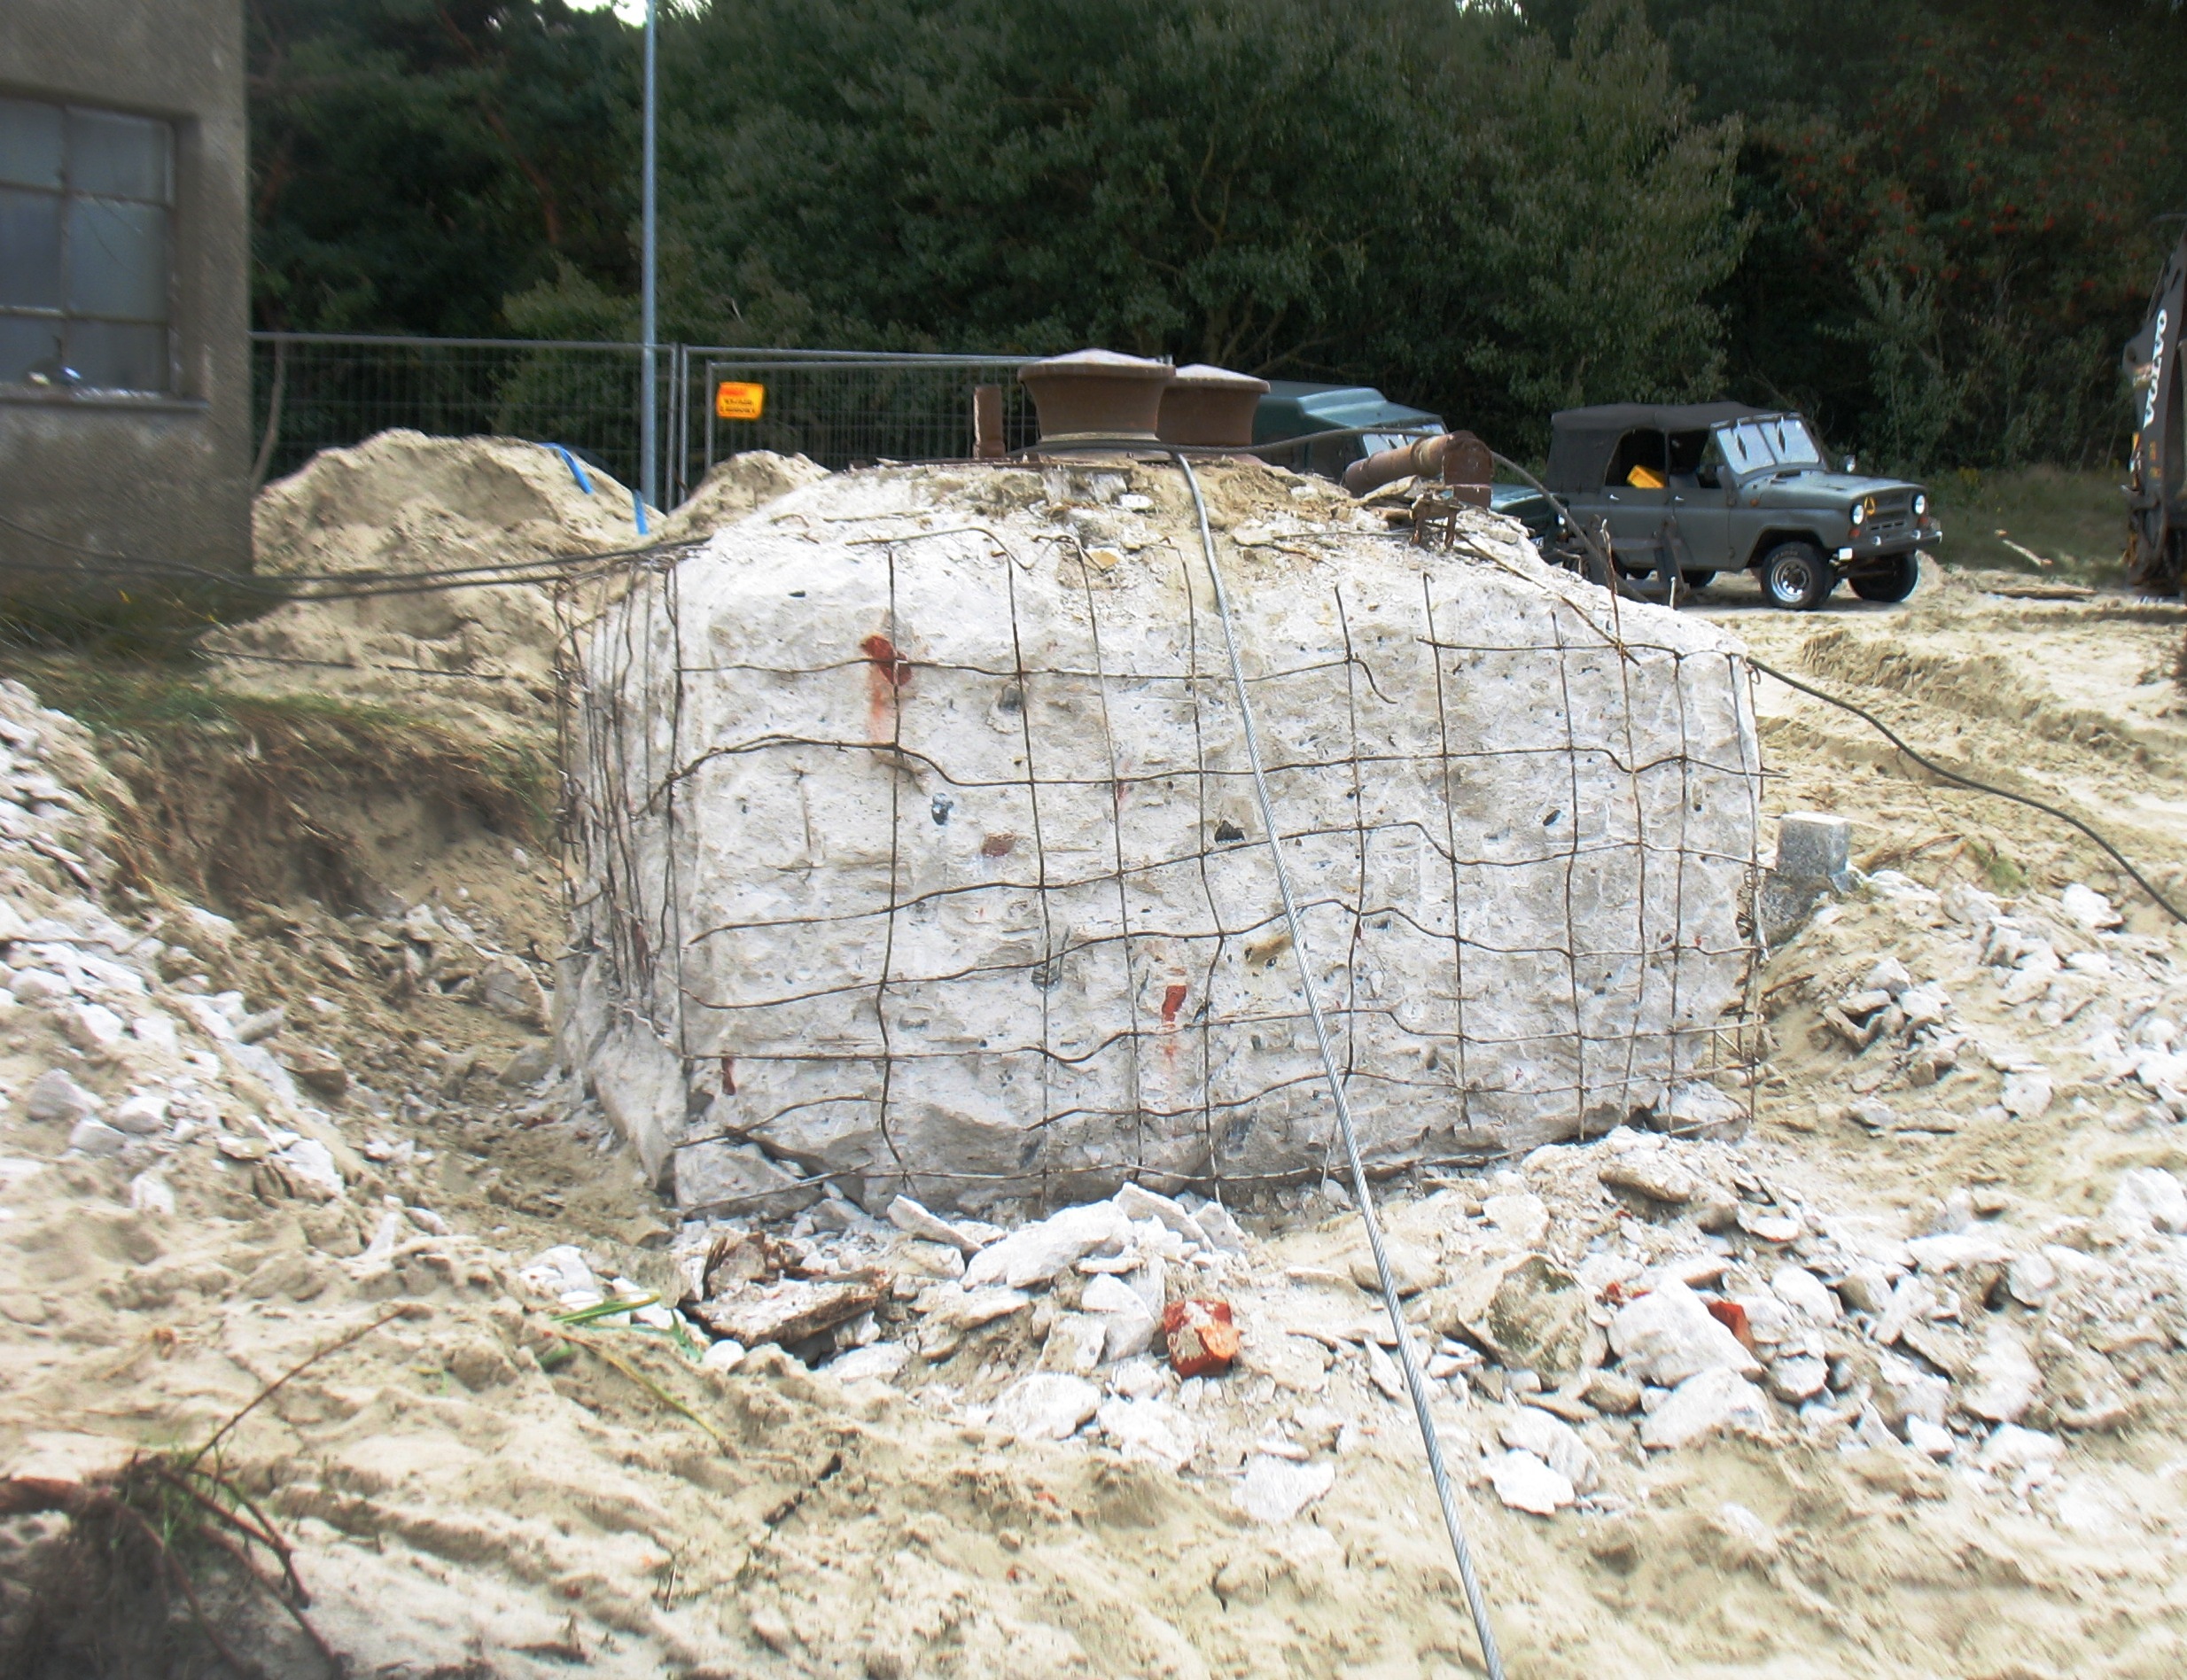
{"points": [[842, 409], [326, 390], [318, 390]]}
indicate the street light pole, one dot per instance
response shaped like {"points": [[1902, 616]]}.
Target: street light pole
{"points": [[648, 414]]}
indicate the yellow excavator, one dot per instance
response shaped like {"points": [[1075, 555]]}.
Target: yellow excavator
{"points": [[2156, 546]]}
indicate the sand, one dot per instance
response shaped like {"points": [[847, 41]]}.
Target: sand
{"points": [[402, 502], [458, 1508]]}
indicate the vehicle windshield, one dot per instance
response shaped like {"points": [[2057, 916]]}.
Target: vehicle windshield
{"points": [[1781, 441]]}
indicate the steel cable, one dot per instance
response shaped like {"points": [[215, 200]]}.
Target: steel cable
{"points": [[1415, 1383], [1937, 769]]}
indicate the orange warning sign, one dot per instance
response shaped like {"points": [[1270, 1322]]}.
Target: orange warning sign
{"points": [[735, 400]]}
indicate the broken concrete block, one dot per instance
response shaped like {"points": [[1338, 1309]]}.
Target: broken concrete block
{"points": [[1006, 1042]]}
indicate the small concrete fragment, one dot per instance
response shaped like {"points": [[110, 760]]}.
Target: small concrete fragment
{"points": [[789, 1311], [1047, 1405], [1147, 1429], [2005, 1381], [1411, 1269], [914, 1219], [1523, 1217], [1667, 1335], [1523, 1482], [1649, 1173], [96, 1138], [2149, 1199], [57, 1100], [1711, 1401], [876, 1362], [1529, 1314], [1036, 1253], [1553, 1441]]}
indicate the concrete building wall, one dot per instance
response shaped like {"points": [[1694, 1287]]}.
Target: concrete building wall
{"points": [[162, 474]]}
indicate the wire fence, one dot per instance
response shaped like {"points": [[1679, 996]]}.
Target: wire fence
{"points": [[842, 409]]}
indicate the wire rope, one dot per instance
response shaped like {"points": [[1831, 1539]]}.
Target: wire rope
{"points": [[1415, 1383]]}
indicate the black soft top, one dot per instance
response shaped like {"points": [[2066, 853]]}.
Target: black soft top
{"points": [[1581, 440]]}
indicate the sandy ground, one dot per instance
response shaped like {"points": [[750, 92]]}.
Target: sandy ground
{"points": [[461, 1508]]}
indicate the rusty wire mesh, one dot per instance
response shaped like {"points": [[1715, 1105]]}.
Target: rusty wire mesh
{"points": [[1166, 1090]]}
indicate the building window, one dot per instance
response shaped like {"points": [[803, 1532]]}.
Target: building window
{"points": [[85, 248]]}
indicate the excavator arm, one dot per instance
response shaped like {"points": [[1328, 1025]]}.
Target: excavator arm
{"points": [[2156, 552]]}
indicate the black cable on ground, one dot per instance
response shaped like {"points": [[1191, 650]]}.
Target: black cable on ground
{"points": [[1937, 769]]}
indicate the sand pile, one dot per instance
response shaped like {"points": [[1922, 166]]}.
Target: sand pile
{"points": [[402, 502], [734, 488]]}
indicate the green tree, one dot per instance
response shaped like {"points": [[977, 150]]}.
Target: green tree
{"points": [[1573, 222], [1429, 199], [414, 162]]}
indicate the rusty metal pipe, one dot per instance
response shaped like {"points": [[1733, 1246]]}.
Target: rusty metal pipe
{"points": [[1420, 460]]}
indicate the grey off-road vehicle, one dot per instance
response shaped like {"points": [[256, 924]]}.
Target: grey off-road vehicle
{"points": [[1685, 491]]}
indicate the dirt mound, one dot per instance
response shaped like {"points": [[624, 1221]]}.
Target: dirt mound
{"points": [[734, 487], [402, 502]]}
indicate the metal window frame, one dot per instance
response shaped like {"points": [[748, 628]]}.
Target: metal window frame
{"points": [[67, 194]]}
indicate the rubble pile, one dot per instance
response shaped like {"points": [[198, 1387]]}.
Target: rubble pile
{"points": [[1969, 982], [1594, 1305]]}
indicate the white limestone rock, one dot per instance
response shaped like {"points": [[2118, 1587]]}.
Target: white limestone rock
{"points": [[1275, 1490], [876, 1362], [54, 1098], [1805, 1293], [914, 1219], [1711, 1401], [926, 987], [1047, 1405], [1666, 1336], [1035, 1254], [1523, 1482], [1554, 1443], [2149, 1199], [1523, 1216], [2004, 1381], [1150, 1429]]}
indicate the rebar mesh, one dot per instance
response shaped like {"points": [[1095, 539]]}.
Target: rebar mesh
{"points": [[1037, 951]]}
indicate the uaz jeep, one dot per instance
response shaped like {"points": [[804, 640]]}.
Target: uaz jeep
{"points": [[1685, 491]]}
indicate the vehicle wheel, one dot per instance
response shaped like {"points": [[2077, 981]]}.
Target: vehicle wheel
{"points": [[1699, 580], [1795, 576], [1894, 585]]}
